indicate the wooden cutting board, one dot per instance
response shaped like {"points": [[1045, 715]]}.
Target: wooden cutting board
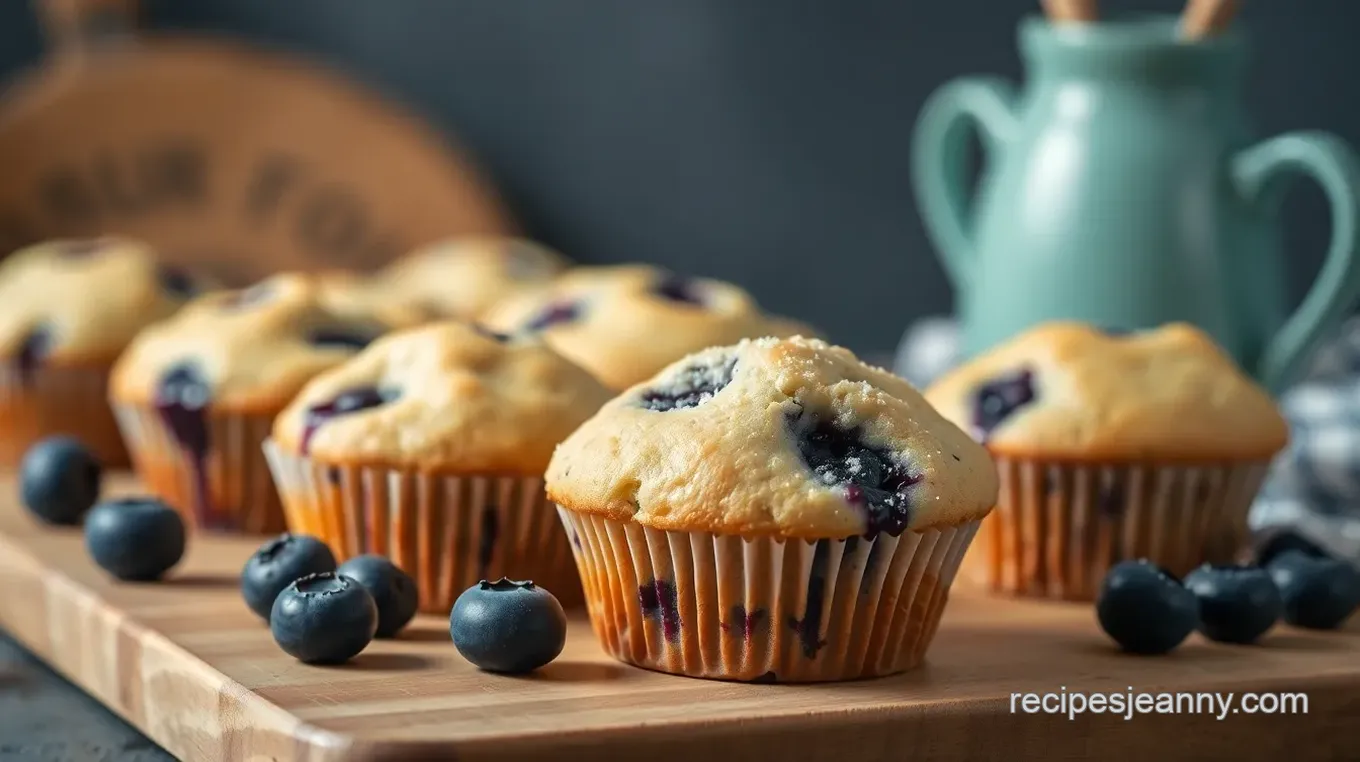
{"points": [[186, 663]]}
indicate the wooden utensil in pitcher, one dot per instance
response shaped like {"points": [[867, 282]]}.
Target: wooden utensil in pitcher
{"points": [[1070, 11], [1205, 18]]}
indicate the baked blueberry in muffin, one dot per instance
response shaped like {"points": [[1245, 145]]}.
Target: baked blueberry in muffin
{"points": [[62, 326], [196, 394], [779, 482]]}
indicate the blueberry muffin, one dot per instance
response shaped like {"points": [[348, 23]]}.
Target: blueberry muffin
{"points": [[195, 395], [1110, 447], [463, 277], [626, 322], [772, 511], [68, 308], [429, 448]]}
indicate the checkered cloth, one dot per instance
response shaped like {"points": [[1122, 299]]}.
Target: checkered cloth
{"points": [[1313, 488]]}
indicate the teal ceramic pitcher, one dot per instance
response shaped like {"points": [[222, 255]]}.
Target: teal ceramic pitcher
{"points": [[1124, 188]]}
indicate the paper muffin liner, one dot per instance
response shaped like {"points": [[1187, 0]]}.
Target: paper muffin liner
{"points": [[1058, 527], [446, 531], [230, 490], [761, 609], [42, 402]]}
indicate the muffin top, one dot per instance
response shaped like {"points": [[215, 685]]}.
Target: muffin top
{"points": [[463, 277], [77, 303], [626, 322], [351, 292], [774, 437], [253, 349], [445, 397], [1072, 391]]}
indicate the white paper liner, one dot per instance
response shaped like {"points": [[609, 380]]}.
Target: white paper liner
{"points": [[761, 609], [1058, 527], [446, 531], [44, 402], [231, 491]]}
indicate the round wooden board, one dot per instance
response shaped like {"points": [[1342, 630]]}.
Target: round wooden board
{"points": [[237, 161]]}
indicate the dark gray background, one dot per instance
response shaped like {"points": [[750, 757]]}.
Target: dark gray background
{"points": [[763, 141]]}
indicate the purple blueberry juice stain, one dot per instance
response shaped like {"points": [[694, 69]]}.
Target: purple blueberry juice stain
{"points": [[333, 476], [743, 623], [34, 349], [866, 580], [1110, 498], [486, 541], [183, 397], [871, 480], [998, 400], [352, 401], [678, 289], [555, 314], [692, 387], [660, 601], [808, 629]]}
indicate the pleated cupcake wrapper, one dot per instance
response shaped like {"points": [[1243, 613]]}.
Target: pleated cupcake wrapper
{"points": [[43, 402], [447, 532], [231, 490], [1059, 527], [761, 609]]}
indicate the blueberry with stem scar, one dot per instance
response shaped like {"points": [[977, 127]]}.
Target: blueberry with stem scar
{"points": [[507, 626], [323, 619], [276, 564]]}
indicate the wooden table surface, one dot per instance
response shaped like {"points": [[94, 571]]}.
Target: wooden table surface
{"points": [[185, 662]]}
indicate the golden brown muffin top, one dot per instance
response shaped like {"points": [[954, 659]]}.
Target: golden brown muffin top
{"points": [[446, 397], [626, 322], [79, 302], [1071, 391], [464, 277], [254, 348], [774, 437]]}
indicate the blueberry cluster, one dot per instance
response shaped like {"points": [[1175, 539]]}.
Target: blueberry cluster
{"points": [[136, 539], [321, 613], [1147, 610]]}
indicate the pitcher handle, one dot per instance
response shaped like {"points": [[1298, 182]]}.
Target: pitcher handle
{"points": [[983, 104], [1332, 164]]}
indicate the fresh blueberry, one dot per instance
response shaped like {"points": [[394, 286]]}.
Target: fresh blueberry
{"points": [[871, 479], [350, 401], [323, 618], [1282, 542], [59, 480], [997, 400], [693, 387], [1145, 609], [137, 539], [277, 564], [341, 338], [1319, 593], [677, 288], [1237, 604], [561, 312], [392, 589], [507, 626]]}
